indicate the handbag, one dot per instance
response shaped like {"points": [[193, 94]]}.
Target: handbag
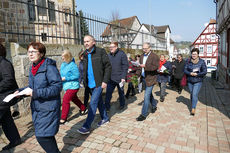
{"points": [[184, 80]]}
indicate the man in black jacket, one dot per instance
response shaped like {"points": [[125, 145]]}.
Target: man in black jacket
{"points": [[119, 62], [96, 74], [179, 72], [7, 86]]}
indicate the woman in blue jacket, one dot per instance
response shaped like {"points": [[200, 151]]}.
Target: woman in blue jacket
{"points": [[195, 69], [70, 77], [164, 71], [44, 88]]}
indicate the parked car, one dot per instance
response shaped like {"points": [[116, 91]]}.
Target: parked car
{"points": [[211, 68]]}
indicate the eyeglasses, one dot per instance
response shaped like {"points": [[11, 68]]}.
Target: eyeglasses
{"points": [[32, 52], [112, 46], [145, 48]]}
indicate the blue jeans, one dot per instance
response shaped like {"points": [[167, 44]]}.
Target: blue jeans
{"points": [[148, 99], [109, 91], [96, 101], [162, 89], [194, 89], [86, 96]]}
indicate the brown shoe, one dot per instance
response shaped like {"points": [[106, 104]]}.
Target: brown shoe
{"points": [[193, 111]]}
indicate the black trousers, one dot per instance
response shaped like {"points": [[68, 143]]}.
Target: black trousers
{"points": [[8, 126], [49, 144], [177, 84], [130, 89]]}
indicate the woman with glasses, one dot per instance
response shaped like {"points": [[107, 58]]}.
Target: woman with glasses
{"points": [[195, 69], [45, 85]]}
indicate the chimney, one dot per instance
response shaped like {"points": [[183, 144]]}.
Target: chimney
{"points": [[212, 21]]}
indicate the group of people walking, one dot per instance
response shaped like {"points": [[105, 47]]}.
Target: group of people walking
{"points": [[97, 71]]}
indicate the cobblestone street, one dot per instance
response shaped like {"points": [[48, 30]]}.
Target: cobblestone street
{"points": [[170, 130]]}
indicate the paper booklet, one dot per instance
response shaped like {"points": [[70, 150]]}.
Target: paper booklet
{"points": [[135, 63], [12, 96], [121, 84], [163, 68]]}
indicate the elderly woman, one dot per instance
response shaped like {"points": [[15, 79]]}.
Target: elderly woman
{"points": [[164, 71], [70, 77], [195, 69], [7, 85], [45, 85]]}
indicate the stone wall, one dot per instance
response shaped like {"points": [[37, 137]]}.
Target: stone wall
{"points": [[17, 53], [15, 25]]}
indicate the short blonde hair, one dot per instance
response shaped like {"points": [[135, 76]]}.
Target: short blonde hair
{"points": [[67, 55]]}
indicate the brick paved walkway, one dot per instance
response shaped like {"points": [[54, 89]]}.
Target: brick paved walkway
{"points": [[170, 130]]}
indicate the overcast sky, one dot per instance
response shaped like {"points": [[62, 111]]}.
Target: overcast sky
{"points": [[186, 18]]}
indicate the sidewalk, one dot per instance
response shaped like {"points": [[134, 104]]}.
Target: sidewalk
{"points": [[170, 130]]}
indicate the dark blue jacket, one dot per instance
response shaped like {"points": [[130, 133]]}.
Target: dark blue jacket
{"points": [[46, 100], [81, 67], [119, 64], [163, 77], [200, 66]]}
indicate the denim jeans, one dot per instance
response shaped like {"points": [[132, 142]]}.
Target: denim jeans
{"points": [[148, 99], [96, 101], [86, 96], [162, 86], [109, 91], [194, 89]]}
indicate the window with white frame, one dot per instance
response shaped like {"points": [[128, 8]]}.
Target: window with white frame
{"points": [[208, 62], [213, 36], [201, 48], [209, 48]]}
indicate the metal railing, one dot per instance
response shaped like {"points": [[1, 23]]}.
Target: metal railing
{"points": [[25, 21]]}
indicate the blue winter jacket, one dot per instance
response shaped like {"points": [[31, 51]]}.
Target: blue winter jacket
{"points": [[119, 64], [200, 68], [163, 77], [46, 100], [81, 67], [71, 73]]}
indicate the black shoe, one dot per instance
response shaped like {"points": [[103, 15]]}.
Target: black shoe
{"points": [[121, 107], [126, 96], [162, 99], [133, 94], [12, 145], [154, 110], [140, 118], [179, 92], [15, 114]]}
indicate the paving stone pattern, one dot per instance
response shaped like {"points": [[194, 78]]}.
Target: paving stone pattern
{"points": [[170, 130]]}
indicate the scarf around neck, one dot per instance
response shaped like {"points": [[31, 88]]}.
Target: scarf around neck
{"points": [[35, 67], [161, 63], [195, 61]]}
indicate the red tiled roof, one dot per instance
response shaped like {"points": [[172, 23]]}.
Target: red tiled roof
{"points": [[126, 23]]}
